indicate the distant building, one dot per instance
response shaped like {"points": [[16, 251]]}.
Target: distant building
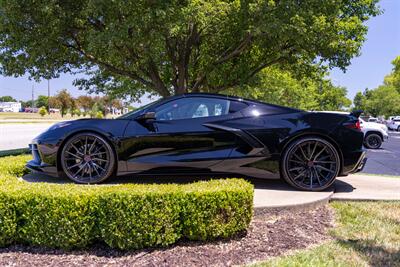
{"points": [[10, 107]]}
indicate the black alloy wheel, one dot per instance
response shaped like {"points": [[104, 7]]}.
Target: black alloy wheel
{"points": [[373, 141], [87, 158], [310, 163]]}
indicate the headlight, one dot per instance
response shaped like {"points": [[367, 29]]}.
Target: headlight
{"points": [[59, 125]]}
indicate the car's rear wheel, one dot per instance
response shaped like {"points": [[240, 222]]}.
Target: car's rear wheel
{"points": [[87, 158], [310, 163], [373, 141], [398, 129]]}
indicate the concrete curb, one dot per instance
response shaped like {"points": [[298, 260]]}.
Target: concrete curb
{"points": [[293, 207]]}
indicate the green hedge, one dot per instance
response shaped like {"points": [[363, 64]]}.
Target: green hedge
{"points": [[127, 216]]}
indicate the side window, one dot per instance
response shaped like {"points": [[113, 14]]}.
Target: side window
{"points": [[192, 107], [235, 106]]}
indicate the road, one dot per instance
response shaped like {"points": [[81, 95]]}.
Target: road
{"points": [[385, 160], [19, 135]]}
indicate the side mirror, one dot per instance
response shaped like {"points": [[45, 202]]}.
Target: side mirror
{"points": [[146, 116]]}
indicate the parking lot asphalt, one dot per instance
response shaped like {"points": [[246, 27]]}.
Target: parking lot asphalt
{"points": [[385, 160]]}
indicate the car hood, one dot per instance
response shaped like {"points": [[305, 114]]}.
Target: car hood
{"points": [[63, 129]]}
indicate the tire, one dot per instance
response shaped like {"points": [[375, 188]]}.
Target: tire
{"points": [[87, 158], [310, 164], [373, 141], [398, 128]]}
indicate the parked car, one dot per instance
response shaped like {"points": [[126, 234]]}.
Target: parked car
{"points": [[394, 124], [197, 134], [374, 133]]}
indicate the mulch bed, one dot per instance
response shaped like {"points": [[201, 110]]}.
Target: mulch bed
{"points": [[269, 235]]}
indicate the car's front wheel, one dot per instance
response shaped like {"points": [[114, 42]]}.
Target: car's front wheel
{"points": [[87, 158], [373, 141], [310, 163]]}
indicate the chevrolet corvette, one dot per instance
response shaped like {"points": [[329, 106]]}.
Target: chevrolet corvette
{"points": [[205, 134]]}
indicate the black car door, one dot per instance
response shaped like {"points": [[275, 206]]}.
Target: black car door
{"points": [[180, 138]]}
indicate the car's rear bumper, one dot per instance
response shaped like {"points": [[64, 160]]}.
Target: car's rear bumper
{"points": [[354, 162], [359, 166]]}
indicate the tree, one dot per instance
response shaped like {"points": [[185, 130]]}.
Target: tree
{"points": [[173, 47], [330, 97], [383, 100], [42, 101], [282, 87], [7, 98], [63, 100], [359, 101], [85, 103], [393, 79]]}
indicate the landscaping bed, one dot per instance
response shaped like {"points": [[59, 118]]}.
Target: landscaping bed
{"points": [[269, 235], [129, 216]]}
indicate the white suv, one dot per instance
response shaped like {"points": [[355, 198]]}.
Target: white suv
{"points": [[374, 133], [394, 124]]}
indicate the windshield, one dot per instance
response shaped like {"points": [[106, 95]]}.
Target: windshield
{"points": [[137, 111]]}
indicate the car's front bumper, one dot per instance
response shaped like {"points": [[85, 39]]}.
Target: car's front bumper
{"points": [[37, 163]]}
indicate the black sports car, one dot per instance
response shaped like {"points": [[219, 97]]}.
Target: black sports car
{"points": [[206, 134]]}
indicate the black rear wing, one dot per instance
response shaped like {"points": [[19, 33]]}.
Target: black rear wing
{"points": [[356, 113]]}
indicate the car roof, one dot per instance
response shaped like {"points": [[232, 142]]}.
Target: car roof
{"points": [[236, 98]]}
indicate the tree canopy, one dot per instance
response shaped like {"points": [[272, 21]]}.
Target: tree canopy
{"points": [[385, 99], [171, 47], [7, 98], [282, 87]]}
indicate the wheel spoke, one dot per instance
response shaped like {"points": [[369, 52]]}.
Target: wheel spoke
{"points": [[77, 150], [73, 155], [92, 145], [86, 144], [76, 165], [320, 152], [97, 165], [302, 152], [101, 160], [296, 169], [100, 153], [299, 162], [324, 162], [317, 176], [313, 151], [323, 168], [300, 174], [95, 169], [80, 169]]}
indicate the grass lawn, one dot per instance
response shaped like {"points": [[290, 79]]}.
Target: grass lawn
{"points": [[30, 116], [366, 234]]}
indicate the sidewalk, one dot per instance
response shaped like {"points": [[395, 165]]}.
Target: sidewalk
{"points": [[275, 194]]}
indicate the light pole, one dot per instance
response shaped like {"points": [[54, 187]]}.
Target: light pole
{"points": [[48, 96]]}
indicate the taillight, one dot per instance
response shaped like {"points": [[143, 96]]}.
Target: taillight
{"points": [[353, 125]]}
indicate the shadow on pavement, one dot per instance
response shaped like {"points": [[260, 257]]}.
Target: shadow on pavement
{"points": [[343, 187]]}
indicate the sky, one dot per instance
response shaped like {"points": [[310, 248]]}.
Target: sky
{"points": [[366, 71]]}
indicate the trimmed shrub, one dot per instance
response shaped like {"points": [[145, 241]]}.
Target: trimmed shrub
{"points": [[8, 220], [127, 216]]}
